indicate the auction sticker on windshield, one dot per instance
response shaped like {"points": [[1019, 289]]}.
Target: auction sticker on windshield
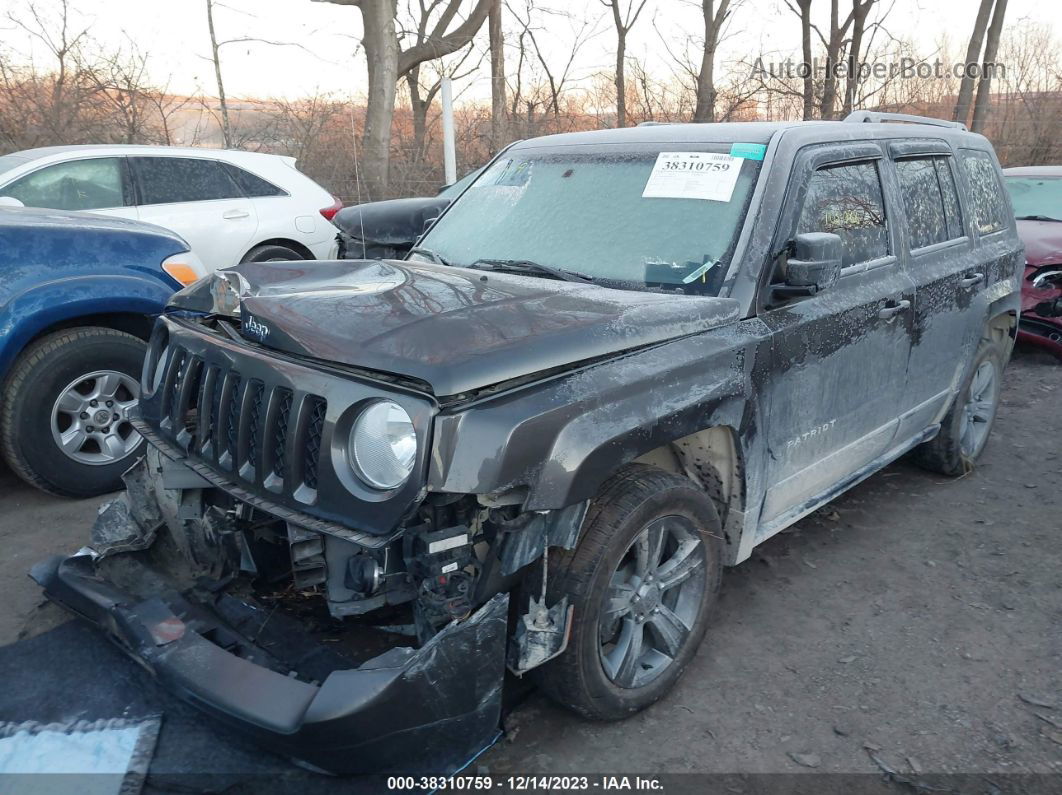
{"points": [[693, 175]]}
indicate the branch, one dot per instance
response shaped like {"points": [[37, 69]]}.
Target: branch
{"points": [[444, 45]]}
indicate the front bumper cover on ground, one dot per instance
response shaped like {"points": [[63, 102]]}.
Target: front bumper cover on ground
{"points": [[423, 710]]}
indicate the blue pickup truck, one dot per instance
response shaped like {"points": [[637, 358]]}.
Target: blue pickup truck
{"points": [[78, 296]]}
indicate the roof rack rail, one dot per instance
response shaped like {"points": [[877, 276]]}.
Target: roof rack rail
{"points": [[876, 116], [653, 123]]}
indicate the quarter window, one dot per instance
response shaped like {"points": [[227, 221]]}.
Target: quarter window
{"points": [[169, 180], [930, 201], [251, 184], [847, 200], [986, 194], [92, 184]]}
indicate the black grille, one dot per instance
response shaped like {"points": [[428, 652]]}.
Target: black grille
{"points": [[314, 428], [253, 425], [280, 432], [254, 419], [232, 425]]}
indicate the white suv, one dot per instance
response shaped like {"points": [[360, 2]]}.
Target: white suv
{"points": [[230, 206]]}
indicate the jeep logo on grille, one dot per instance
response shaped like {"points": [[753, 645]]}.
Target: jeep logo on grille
{"points": [[255, 328]]}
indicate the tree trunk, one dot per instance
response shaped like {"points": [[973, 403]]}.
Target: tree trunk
{"points": [[805, 54], [833, 51], [418, 106], [226, 128], [860, 11], [381, 53], [713, 23], [621, 83], [985, 84], [499, 133], [973, 50]]}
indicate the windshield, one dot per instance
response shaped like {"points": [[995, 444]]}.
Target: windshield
{"points": [[659, 218], [1036, 196], [450, 191]]}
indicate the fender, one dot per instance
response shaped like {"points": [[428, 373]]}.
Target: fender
{"points": [[580, 427], [42, 306]]}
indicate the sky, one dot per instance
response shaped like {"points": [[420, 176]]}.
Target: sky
{"points": [[320, 47]]}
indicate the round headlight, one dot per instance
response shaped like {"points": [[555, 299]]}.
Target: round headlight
{"points": [[383, 445]]}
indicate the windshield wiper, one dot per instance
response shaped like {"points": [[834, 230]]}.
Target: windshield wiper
{"points": [[527, 266], [1038, 218], [427, 252]]}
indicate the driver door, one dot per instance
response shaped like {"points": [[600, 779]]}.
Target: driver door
{"points": [[840, 356]]}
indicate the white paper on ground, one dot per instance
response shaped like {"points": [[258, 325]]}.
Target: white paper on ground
{"points": [[693, 175], [107, 756]]}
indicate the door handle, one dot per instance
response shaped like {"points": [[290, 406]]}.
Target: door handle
{"points": [[972, 280], [893, 308], [233, 215]]}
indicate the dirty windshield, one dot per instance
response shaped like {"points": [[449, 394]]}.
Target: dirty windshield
{"points": [[665, 218]]}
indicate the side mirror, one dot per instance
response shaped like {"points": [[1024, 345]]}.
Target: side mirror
{"points": [[813, 265]]}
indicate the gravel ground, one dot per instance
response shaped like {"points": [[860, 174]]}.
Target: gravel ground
{"points": [[906, 621]]}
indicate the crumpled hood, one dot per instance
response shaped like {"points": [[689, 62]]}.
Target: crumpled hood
{"points": [[454, 328], [1043, 241]]}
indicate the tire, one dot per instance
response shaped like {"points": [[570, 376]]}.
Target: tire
{"points": [[954, 449], [270, 253], [86, 361], [635, 500]]}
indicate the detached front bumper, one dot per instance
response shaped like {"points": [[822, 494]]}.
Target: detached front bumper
{"points": [[423, 710]]}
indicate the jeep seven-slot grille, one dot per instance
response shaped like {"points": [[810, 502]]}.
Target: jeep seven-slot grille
{"points": [[260, 433], [314, 428]]}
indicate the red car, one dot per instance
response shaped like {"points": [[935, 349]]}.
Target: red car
{"points": [[1036, 192]]}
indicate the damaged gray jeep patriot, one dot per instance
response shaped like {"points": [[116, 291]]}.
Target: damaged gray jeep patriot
{"points": [[616, 363]]}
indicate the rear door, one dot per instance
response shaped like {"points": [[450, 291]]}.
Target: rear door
{"points": [[840, 357], [198, 200], [960, 243], [940, 256]]}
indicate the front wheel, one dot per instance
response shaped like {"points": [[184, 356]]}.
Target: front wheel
{"points": [[64, 423], [642, 580]]}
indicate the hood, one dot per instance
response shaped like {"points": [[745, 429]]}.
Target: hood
{"points": [[41, 218], [1043, 241], [395, 222], [454, 328]]}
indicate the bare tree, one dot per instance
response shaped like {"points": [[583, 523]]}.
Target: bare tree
{"points": [[61, 102], [387, 62], [973, 50], [557, 76], [623, 20], [985, 83], [498, 123], [802, 8], [215, 47], [714, 20]]}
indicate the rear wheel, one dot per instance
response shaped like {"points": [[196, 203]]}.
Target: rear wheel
{"points": [[965, 429], [642, 581], [270, 253], [64, 424]]}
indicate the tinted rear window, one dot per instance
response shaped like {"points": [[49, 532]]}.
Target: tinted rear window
{"points": [[252, 184], [986, 193], [929, 200], [168, 180]]}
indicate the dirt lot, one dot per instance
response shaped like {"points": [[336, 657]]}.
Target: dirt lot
{"points": [[912, 614]]}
